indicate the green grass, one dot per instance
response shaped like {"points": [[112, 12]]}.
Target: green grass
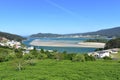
{"points": [[63, 70]]}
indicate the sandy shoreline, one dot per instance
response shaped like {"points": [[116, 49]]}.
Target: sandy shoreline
{"points": [[60, 44]]}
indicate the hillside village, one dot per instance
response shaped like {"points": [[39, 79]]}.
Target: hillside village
{"points": [[13, 44], [10, 43]]}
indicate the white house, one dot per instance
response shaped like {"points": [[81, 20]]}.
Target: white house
{"points": [[101, 54], [30, 48], [2, 44]]}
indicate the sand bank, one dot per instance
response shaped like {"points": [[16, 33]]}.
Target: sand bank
{"points": [[60, 44]]}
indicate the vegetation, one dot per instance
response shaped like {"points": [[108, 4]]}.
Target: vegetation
{"points": [[97, 40], [50, 69], [107, 58], [45, 65], [11, 36], [7, 54], [113, 43], [45, 35], [112, 32], [99, 49]]}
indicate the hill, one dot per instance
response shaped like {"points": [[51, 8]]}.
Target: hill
{"points": [[11, 36], [113, 43], [112, 32], [45, 35]]}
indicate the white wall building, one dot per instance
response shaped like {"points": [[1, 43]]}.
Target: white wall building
{"points": [[102, 54]]}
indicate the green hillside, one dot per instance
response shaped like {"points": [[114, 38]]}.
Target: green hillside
{"points": [[111, 32], [11, 36]]}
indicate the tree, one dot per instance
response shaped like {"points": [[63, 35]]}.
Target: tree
{"points": [[113, 43], [18, 53], [34, 52], [42, 51]]}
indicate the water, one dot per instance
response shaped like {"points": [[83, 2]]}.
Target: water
{"points": [[63, 40]]}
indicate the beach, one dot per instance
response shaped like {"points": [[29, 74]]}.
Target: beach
{"points": [[61, 44]]}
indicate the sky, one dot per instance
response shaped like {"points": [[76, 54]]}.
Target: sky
{"points": [[26, 17]]}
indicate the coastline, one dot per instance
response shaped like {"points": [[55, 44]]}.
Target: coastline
{"points": [[60, 44]]}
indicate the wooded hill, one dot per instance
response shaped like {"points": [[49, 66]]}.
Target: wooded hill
{"points": [[11, 36], [112, 32]]}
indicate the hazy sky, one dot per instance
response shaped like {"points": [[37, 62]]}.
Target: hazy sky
{"points": [[25, 17]]}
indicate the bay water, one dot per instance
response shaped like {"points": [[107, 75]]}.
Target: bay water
{"points": [[61, 49]]}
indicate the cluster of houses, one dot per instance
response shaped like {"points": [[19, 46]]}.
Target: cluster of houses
{"points": [[14, 44], [104, 53], [9, 43]]}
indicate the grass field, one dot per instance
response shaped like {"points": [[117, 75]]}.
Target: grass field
{"points": [[63, 70]]}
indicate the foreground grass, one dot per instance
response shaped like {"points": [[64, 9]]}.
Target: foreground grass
{"points": [[63, 70]]}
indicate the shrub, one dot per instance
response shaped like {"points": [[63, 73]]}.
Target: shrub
{"points": [[3, 54], [79, 57], [34, 52], [107, 58], [10, 57], [69, 56], [19, 64], [19, 54], [31, 62], [58, 56], [89, 58], [42, 56], [28, 57]]}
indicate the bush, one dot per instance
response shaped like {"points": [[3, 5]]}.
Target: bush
{"points": [[28, 57], [58, 56], [10, 57], [34, 52], [31, 62], [42, 56], [19, 64], [89, 58], [3, 54], [79, 57], [19, 54], [69, 56], [107, 58]]}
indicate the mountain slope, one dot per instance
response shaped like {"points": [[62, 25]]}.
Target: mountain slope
{"points": [[112, 32], [45, 35], [11, 36]]}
